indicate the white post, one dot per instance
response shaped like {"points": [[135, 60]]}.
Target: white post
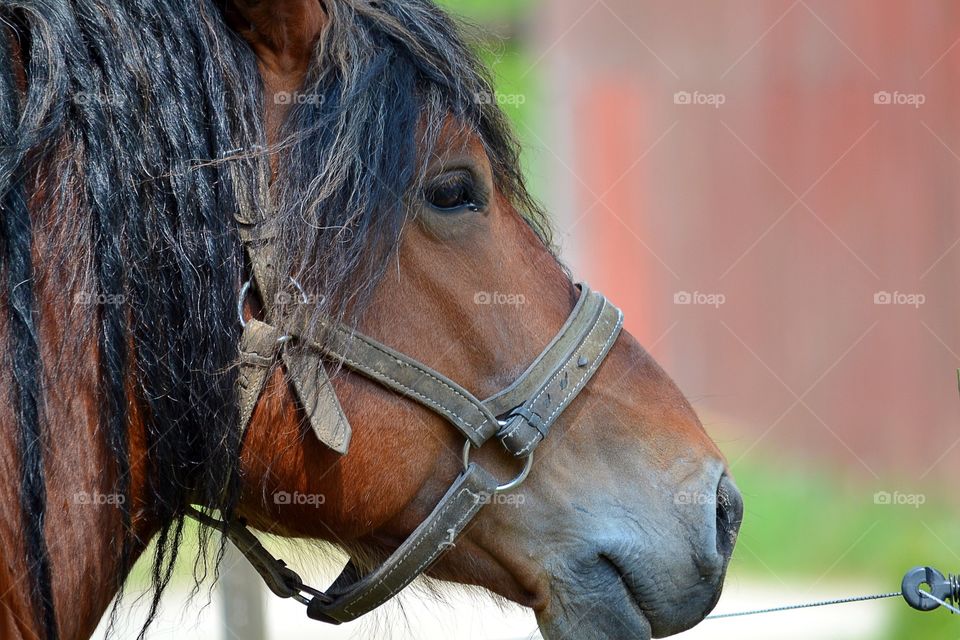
{"points": [[241, 598]]}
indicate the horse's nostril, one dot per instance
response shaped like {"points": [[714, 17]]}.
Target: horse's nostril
{"points": [[729, 515]]}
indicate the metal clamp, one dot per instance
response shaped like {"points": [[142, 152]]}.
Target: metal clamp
{"points": [[516, 482], [279, 578]]}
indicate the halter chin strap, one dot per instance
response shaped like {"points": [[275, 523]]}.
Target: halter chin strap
{"points": [[520, 417]]}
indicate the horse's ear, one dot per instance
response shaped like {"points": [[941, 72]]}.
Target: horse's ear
{"points": [[282, 33]]}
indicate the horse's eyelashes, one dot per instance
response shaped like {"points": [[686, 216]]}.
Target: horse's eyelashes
{"points": [[454, 193]]}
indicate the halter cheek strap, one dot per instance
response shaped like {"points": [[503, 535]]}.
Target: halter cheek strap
{"points": [[534, 402], [520, 417], [261, 344]]}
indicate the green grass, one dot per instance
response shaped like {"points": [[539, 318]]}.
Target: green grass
{"points": [[806, 525], [489, 11]]}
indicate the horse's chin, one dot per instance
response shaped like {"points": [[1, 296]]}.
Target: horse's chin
{"points": [[596, 604], [613, 601], [592, 620]]}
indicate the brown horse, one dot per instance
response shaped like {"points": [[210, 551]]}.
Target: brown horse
{"points": [[131, 132]]}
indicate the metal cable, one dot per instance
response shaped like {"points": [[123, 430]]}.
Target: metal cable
{"points": [[939, 601], [821, 603]]}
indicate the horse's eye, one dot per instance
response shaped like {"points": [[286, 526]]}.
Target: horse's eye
{"points": [[454, 193]]}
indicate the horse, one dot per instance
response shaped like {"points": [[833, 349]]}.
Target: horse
{"points": [[151, 152]]}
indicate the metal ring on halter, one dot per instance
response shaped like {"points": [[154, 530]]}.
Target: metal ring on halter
{"points": [[244, 290], [242, 297], [516, 482], [303, 294]]}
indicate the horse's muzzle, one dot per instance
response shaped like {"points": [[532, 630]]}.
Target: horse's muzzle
{"points": [[659, 574]]}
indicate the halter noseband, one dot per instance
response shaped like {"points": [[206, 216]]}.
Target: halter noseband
{"points": [[520, 417]]}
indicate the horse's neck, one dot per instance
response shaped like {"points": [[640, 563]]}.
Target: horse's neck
{"points": [[83, 526], [83, 522]]}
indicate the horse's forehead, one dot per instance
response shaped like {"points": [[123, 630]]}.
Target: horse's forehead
{"points": [[457, 139], [282, 34]]}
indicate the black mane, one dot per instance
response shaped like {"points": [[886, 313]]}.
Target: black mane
{"points": [[139, 124]]}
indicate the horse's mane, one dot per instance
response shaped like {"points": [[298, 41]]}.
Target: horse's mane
{"points": [[138, 125]]}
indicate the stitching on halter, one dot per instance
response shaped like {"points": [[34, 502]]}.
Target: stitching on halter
{"points": [[473, 403], [577, 387], [426, 399], [433, 556], [411, 365]]}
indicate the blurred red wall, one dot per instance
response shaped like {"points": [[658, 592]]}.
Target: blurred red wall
{"points": [[788, 194]]}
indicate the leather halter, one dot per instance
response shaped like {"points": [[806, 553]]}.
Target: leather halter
{"points": [[520, 417]]}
